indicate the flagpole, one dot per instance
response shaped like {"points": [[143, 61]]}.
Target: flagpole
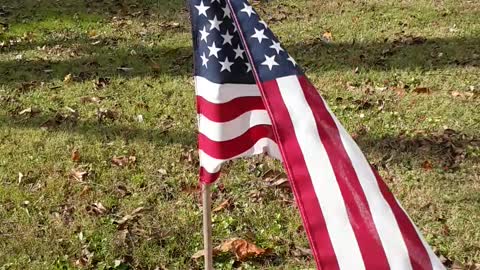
{"points": [[207, 226]]}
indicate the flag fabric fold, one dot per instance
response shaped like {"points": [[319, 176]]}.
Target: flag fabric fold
{"points": [[252, 97]]}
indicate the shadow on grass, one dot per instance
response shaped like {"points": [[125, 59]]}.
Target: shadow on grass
{"points": [[445, 150], [100, 60], [104, 131], [105, 58]]}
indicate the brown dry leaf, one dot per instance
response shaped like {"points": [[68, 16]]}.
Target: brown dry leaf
{"points": [[101, 83], [75, 155], [124, 161], [242, 249], [224, 205], [122, 191], [129, 218], [79, 175], [106, 114], [399, 91], [327, 37], [462, 94], [301, 252], [456, 94], [422, 90], [96, 209], [282, 182], [85, 191], [427, 165]]}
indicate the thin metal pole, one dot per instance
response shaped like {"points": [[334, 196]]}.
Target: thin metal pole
{"points": [[207, 226]]}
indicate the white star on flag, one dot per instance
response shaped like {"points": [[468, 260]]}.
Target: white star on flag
{"points": [[204, 60], [214, 50], [202, 9], [259, 34], [226, 12], [290, 58], [227, 38], [226, 65], [248, 9], [276, 46], [204, 34], [238, 52], [249, 67], [215, 23], [270, 61], [218, 1]]}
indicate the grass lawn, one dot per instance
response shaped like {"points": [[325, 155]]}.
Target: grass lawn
{"points": [[98, 164]]}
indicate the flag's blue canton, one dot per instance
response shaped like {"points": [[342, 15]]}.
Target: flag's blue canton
{"points": [[271, 59], [219, 54]]}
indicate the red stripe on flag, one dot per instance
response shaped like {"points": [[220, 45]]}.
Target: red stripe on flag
{"points": [[208, 178], [416, 250], [228, 111], [234, 147], [301, 182], [356, 203]]}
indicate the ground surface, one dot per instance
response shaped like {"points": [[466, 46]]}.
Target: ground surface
{"points": [[403, 76]]}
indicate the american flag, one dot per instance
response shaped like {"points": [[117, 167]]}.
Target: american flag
{"points": [[252, 97], [232, 119]]}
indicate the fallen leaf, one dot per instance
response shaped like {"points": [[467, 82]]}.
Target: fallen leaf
{"points": [[462, 94], [242, 249], [106, 114], [327, 37], [79, 175], [427, 165], [422, 90], [301, 252], [96, 209], [124, 161], [86, 189], [400, 91], [101, 83], [75, 155], [129, 218], [456, 94], [122, 191], [224, 205]]}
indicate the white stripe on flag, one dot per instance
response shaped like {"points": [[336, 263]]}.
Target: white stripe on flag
{"points": [[264, 145], [383, 217], [321, 172], [224, 131], [222, 93]]}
